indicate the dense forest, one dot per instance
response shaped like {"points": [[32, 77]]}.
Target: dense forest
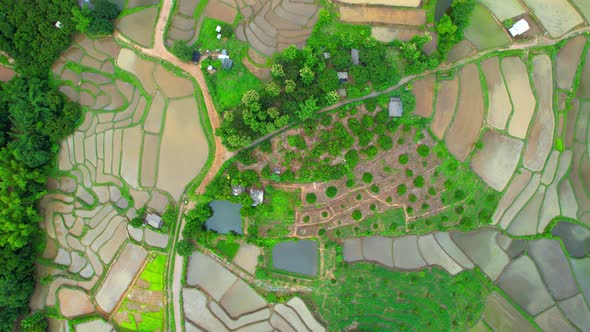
{"points": [[34, 118]]}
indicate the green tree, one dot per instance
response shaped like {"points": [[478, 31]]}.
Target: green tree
{"points": [[182, 51], [289, 53], [185, 248], [290, 86], [250, 98], [328, 80], [272, 88], [332, 97], [307, 75], [277, 71], [307, 109]]}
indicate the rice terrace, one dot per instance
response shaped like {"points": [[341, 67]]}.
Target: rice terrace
{"points": [[295, 165]]}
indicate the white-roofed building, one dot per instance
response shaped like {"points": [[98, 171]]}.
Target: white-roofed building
{"points": [[519, 28], [154, 220]]}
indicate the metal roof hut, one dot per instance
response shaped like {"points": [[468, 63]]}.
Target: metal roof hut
{"points": [[396, 108], [237, 190], [227, 63], [342, 76], [519, 28], [354, 53], [257, 196], [154, 220]]}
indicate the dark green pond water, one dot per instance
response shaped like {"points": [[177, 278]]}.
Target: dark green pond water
{"points": [[297, 257], [441, 8], [226, 217]]}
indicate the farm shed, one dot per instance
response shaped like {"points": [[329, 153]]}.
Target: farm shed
{"points": [[519, 28], [237, 190], [154, 220], [354, 53], [342, 76], [396, 108], [227, 63], [257, 196]]}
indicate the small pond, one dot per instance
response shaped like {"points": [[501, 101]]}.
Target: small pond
{"points": [[576, 238], [298, 257], [441, 8], [226, 217]]}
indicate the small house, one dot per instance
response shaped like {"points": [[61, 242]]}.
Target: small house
{"points": [[276, 170], [257, 196], [396, 108], [154, 220], [218, 36], [58, 24], [227, 63], [223, 55], [342, 76], [342, 92], [354, 53], [237, 190], [326, 55], [218, 28], [519, 28], [196, 57]]}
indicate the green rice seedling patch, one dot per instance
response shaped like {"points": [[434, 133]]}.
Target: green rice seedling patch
{"points": [[378, 299], [484, 32], [228, 248]]}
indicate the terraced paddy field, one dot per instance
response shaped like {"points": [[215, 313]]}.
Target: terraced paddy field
{"points": [[504, 10], [215, 299], [111, 167], [139, 26], [556, 16], [484, 32], [535, 274]]}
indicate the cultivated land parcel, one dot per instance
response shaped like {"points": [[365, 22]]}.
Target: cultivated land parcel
{"points": [[469, 212]]}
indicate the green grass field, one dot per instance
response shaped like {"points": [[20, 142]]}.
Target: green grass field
{"points": [[378, 299], [278, 214], [228, 85], [484, 32], [228, 248]]}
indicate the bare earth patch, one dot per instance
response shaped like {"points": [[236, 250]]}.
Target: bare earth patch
{"points": [[382, 15], [517, 79], [465, 129], [446, 101], [496, 162], [499, 101], [567, 61], [396, 3], [73, 303], [220, 11], [139, 26], [423, 90]]}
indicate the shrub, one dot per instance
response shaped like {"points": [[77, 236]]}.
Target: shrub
{"points": [[431, 191], [419, 182], [297, 141], [385, 142], [375, 189], [324, 214], [185, 248], [322, 232], [331, 191], [371, 151], [349, 183], [367, 177], [373, 207], [412, 198], [403, 159], [306, 219], [359, 197], [357, 215], [182, 51], [423, 150], [311, 198], [409, 172], [402, 189], [352, 158]]}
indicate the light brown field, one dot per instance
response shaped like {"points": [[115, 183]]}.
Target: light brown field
{"points": [[396, 3], [382, 15], [220, 11], [557, 16], [6, 74], [496, 162], [184, 148], [499, 102], [567, 61], [446, 101], [523, 100], [465, 129], [424, 92]]}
